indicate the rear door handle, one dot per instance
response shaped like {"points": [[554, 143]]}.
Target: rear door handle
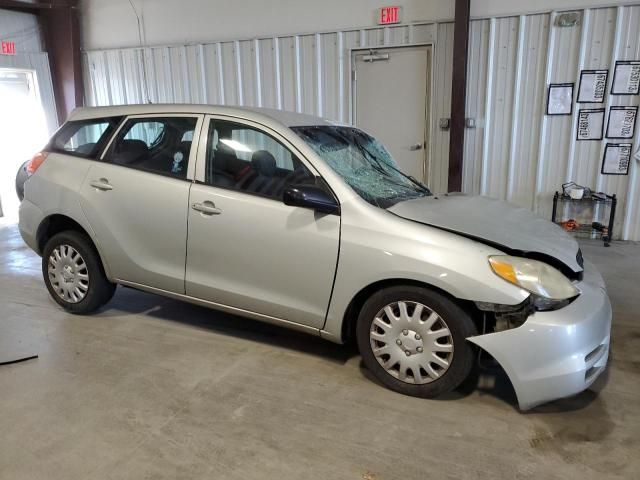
{"points": [[207, 208], [102, 184]]}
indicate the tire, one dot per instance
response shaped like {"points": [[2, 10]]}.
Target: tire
{"points": [[420, 332], [77, 284]]}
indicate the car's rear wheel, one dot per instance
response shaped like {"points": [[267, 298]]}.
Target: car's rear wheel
{"points": [[413, 340], [74, 274]]}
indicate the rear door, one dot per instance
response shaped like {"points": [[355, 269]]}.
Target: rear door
{"points": [[246, 248], [136, 199]]}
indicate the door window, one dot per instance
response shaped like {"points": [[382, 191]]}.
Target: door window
{"points": [[246, 159], [147, 132], [157, 145]]}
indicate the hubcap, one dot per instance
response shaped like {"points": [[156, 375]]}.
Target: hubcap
{"points": [[68, 274], [411, 342]]}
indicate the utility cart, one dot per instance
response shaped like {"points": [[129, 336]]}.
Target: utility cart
{"points": [[591, 216]]}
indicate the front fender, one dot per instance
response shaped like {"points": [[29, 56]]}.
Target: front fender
{"points": [[397, 249]]}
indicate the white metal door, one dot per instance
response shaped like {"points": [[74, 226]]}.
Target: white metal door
{"points": [[392, 100]]}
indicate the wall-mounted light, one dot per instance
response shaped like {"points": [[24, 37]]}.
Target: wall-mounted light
{"points": [[568, 19]]}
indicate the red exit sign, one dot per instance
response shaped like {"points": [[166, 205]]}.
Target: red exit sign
{"points": [[389, 15], [8, 48]]}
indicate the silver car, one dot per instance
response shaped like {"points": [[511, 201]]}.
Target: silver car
{"points": [[302, 222]]}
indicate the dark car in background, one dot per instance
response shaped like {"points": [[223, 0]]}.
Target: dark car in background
{"points": [[21, 177]]}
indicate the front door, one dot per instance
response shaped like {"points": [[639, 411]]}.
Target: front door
{"points": [[136, 200], [246, 248], [391, 102]]}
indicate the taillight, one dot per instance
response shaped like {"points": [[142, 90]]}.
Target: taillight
{"points": [[37, 160]]}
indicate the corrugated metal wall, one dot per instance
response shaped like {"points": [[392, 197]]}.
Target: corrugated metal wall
{"points": [[23, 29], [518, 153], [305, 73], [514, 153]]}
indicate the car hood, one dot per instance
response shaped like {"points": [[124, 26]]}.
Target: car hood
{"points": [[512, 229]]}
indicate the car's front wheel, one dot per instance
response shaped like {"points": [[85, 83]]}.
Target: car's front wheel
{"points": [[73, 273], [413, 340]]}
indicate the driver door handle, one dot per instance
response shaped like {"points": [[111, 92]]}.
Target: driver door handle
{"points": [[102, 184], [207, 208], [417, 146]]}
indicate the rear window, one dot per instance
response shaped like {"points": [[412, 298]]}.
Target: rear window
{"points": [[84, 138]]}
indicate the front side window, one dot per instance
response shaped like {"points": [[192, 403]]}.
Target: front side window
{"points": [[83, 138], [246, 159], [156, 145], [363, 163]]}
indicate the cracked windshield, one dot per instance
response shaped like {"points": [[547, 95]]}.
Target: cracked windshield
{"points": [[363, 163]]}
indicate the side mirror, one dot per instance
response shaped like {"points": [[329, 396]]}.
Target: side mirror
{"points": [[311, 196]]}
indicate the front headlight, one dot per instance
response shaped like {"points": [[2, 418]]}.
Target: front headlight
{"points": [[536, 277]]}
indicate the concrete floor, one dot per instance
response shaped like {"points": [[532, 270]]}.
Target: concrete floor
{"points": [[153, 388]]}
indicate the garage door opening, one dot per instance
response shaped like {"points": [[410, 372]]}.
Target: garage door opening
{"points": [[392, 102], [23, 131]]}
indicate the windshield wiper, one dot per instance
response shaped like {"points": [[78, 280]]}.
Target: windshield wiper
{"points": [[417, 182], [379, 168], [422, 187]]}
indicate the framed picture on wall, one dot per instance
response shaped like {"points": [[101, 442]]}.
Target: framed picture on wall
{"points": [[593, 86], [590, 124], [616, 159], [560, 99], [626, 78], [622, 122]]}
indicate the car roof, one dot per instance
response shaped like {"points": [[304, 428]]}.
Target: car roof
{"points": [[262, 115]]}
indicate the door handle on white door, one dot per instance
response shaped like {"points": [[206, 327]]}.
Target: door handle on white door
{"points": [[102, 184], [207, 208], [417, 146]]}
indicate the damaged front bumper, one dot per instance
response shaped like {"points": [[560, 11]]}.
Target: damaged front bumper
{"points": [[559, 353]]}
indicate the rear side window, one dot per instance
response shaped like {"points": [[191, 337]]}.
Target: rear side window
{"points": [[84, 138], [148, 132], [159, 145]]}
